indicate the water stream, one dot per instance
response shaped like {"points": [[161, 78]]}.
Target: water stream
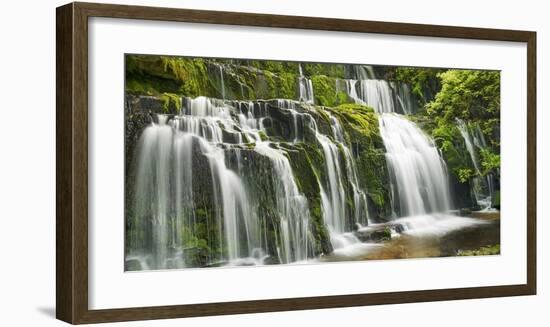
{"points": [[204, 154]]}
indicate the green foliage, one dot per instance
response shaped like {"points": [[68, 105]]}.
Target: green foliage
{"points": [[467, 94], [276, 67], [489, 161], [473, 96], [424, 82], [329, 70], [464, 174]]}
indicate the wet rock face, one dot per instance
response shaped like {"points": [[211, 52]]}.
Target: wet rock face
{"points": [[143, 104], [137, 119], [379, 233]]}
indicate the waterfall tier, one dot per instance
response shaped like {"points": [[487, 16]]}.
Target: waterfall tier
{"points": [[222, 170], [481, 188], [418, 173]]}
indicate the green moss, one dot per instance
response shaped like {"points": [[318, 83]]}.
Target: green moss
{"points": [[325, 92], [155, 75], [360, 118], [485, 250], [306, 166], [263, 136], [286, 85], [171, 103], [201, 213], [331, 70], [363, 134]]}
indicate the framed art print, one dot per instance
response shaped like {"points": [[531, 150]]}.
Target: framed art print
{"points": [[218, 163]]}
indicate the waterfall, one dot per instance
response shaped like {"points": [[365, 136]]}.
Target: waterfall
{"points": [[334, 198], [185, 210], [359, 197], [417, 171], [297, 118], [362, 72], [305, 87], [404, 98], [222, 84], [418, 174], [152, 194], [292, 207], [382, 95], [482, 188], [333, 195], [165, 208], [220, 141]]}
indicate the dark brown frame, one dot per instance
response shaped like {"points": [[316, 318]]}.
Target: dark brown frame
{"points": [[72, 162]]}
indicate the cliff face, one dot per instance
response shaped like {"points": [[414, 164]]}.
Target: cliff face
{"points": [[264, 130]]}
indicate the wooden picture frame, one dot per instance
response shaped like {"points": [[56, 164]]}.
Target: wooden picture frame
{"points": [[72, 162]]}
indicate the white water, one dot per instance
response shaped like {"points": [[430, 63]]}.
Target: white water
{"points": [[305, 87], [482, 188], [435, 224], [219, 131], [359, 195], [297, 118], [235, 210], [416, 168], [418, 174], [222, 84], [333, 192], [362, 72], [381, 95], [292, 207], [164, 204]]}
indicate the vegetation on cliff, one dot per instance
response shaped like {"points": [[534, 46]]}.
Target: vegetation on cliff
{"points": [[160, 84]]}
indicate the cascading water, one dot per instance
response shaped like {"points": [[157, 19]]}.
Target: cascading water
{"points": [[359, 196], [418, 173], [223, 169], [152, 195], [333, 193], [382, 95], [333, 190], [416, 168], [333, 198], [164, 204], [482, 188], [362, 72], [292, 207], [305, 87], [222, 84]]}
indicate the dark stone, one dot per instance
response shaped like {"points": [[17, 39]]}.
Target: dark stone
{"points": [[132, 265], [143, 104], [272, 260], [465, 212], [231, 137], [461, 193], [379, 233]]}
